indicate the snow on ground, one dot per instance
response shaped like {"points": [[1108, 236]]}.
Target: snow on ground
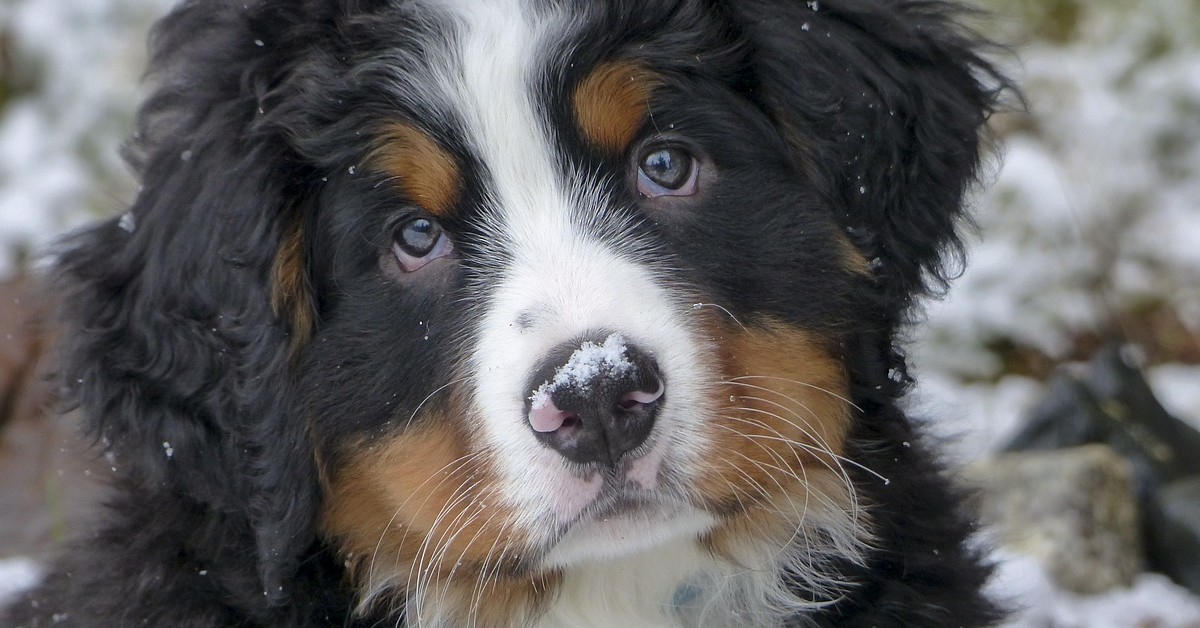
{"points": [[16, 574], [1094, 213], [1178, 388], [1152, 602]]}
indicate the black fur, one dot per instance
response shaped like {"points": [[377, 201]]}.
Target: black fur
{"points": [[173, 342]]}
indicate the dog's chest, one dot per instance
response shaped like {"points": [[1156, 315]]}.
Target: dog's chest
{"points": [[679, 586]]}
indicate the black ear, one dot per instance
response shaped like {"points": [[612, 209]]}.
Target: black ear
{"points": [[885, 101], [175, 347]]}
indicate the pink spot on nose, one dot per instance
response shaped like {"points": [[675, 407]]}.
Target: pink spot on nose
{"points": [[548, 418], [631, 400]]}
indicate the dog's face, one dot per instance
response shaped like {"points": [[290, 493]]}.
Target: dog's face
{"points": [[498, 291], [577, 299]]}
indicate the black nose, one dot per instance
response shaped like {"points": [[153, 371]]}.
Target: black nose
{"points": [[593, 401]]}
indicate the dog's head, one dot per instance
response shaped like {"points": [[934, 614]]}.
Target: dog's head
{"points": [[499, 289]]}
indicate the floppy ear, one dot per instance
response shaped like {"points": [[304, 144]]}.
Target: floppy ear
{"points": [[884, 101], [175, 349]]}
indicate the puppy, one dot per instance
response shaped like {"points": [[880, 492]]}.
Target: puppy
{"points": [[525, 313]]}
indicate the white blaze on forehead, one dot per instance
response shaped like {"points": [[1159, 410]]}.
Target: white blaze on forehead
{"points": [[498, 51], [555, 270]]}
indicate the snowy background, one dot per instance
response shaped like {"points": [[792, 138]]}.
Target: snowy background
{"points": [[1089, 233]]}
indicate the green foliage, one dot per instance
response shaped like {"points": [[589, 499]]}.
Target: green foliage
{"points": [[1054, 21]]}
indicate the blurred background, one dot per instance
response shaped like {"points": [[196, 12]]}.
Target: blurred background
{"points": [[1088, 236]]}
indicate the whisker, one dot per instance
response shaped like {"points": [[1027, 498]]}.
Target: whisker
{"points": [[449, 542], [818, 446], [446, 473], [737, 491], [697, 306], [825, 447], [807, 428], [786, 468], [800, 512], [424, 565], [740, 379], [452, 528], [755, 484], [437, 390], [478, 588], [800, 475], [764, 467], [838, 470]]}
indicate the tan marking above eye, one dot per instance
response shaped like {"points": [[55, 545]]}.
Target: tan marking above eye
{"points": [[611, 103], [422, 168]]}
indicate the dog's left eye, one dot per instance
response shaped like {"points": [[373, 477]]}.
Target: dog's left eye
{"points": [[667, 171], [418, 242]]}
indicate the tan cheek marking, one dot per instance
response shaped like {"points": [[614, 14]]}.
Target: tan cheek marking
{"points": [[421, 506], [420, 490], [426, 172], [777, 519], [611, 104], [291, 297], [783, 421]]}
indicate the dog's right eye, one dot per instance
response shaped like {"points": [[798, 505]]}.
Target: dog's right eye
{"points": [[419, 242]]}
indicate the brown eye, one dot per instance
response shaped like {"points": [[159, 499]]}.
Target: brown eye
{"points": [[667, 171], [418, 242]]}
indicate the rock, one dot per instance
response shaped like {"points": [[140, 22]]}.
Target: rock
{"points": [[1074, 510], [1174, 517], [1110, 402]]}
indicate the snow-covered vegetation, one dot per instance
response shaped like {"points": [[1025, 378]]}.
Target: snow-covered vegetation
{"points": [[1090, 230], [69, 76]]}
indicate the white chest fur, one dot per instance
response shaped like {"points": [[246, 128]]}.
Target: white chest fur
{"points": [[679, 585]]}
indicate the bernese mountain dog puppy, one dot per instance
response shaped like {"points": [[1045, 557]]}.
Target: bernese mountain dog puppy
{"points": [[525, 313]]}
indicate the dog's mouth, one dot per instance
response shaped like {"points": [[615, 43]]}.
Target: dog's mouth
{"points": [[624, 519], [615, 502]]}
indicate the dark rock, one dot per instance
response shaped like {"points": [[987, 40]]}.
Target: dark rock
{"points": [[1173, 514], [1072, 509], [1111, 403]]}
